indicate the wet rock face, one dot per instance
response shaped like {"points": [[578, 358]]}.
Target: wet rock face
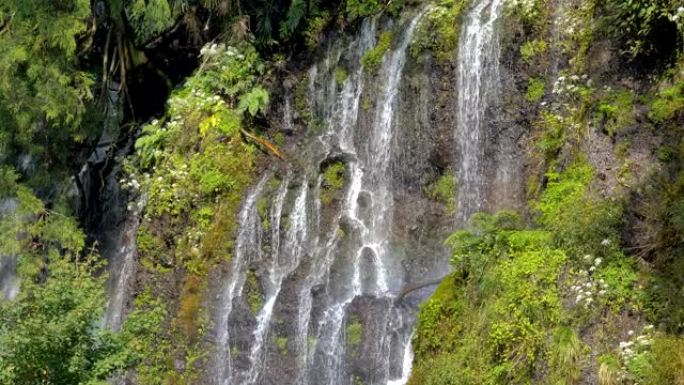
{"points": [[331, 305], [331, 255]]}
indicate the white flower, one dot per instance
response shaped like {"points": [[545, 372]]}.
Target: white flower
{"points": [[605, 242], [648, 327], [597, 261], [592, 268], [587, 257], [630, 333], [680, 10]]}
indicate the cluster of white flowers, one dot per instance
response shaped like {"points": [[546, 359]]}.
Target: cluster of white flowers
{"points": [[525, 7], [635, 344], [570, 85], [130, 183], [196, 100], [195, 237], [586, 288], [676, 17], [212, 49]]}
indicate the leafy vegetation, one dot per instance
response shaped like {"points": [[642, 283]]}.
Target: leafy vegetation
{"points": [[333, 182], [638, 23], [439, 29], [535, 90], [519, 297], [616, 111], [531, 49], [195, 167], [49, 333], [444, 190], [354, 335], [372, 59]]}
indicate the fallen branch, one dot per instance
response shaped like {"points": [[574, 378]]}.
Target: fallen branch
{"points": [[406, 291], [272, 148]]}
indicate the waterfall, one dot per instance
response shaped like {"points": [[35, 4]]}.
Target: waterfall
{"points": [[478, 79], [318, 262], [123, 266]]}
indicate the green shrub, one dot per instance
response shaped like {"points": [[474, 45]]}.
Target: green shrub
{"points": [[255, 299], [340, 76], [444, 190], [535, 90], [553, 134], [314, 31], [667, 103], [579, 221], [372, 59], [530, 49], [488, 321], [362, 8], [333, 182], [616, 111], [439, 30]]}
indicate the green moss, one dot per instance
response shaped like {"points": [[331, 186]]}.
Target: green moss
{"points": [[262, 208], [333, 182], [340, 76], [667, 103], [281, 343], [354, 335], [535, 90], [666, 154], [366, 103], [616, 111], [255, 298], [279, 138], [372, 59], [443, 190], [303, 107]]}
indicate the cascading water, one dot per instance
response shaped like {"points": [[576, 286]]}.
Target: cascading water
{"points": [[478, 79], [330, 274], [317, 263]]}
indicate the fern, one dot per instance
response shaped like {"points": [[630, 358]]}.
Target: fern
{"points": [[294, 16], [254, 101]]}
